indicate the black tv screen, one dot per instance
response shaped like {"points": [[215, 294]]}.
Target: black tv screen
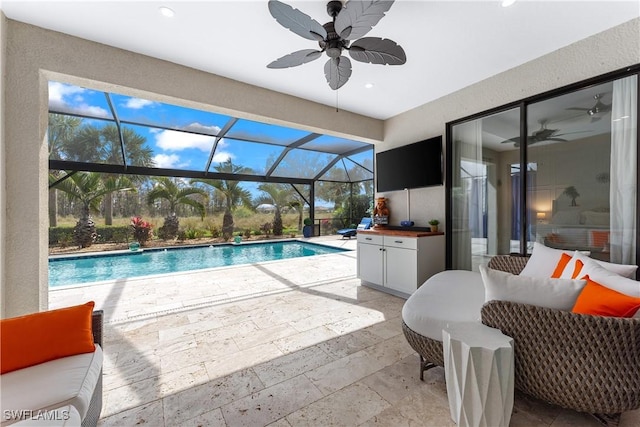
{"points": [[410, 166]]}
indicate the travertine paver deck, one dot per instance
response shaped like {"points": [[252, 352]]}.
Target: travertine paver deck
{"points": [[287, 343]]}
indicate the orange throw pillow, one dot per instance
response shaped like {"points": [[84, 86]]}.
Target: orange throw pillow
{"points": [[41, 337], [577, 268], [602, 301], [564, 260]]}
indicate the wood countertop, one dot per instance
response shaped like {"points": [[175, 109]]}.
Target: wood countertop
{"points": [[405, 233]]}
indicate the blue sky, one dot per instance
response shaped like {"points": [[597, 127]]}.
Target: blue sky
{"points": [[175, 149], [184, 150]]}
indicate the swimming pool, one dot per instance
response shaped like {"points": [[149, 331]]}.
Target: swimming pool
{"points": [[93, 268]]}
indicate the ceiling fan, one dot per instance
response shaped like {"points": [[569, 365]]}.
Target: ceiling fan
{"points": [[541, 135], [597, 111], [350, 22]]}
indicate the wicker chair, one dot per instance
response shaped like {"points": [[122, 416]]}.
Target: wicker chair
{"points": [[580, 362], [95, 406]]}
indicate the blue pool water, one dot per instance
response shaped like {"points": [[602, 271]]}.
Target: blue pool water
{"points": [[83, 269]]}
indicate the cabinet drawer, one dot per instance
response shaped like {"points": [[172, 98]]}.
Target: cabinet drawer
{"points": [[370, 239], [401, 242]]}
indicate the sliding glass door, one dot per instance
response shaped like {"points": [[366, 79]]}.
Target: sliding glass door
{"points": [[481, 196], [566, 179]]}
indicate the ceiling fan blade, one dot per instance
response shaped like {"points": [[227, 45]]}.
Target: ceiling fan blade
{"points": [[377, 51], [296, 58], [515, 139], [578, 108], [555, 139], [296, 21], [358, 17], [337, 71]]}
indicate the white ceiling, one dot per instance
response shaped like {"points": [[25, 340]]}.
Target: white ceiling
{"points": [[449, 44]]}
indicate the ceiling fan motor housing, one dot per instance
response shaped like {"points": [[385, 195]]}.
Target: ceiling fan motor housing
{"points": [[333, 45]]}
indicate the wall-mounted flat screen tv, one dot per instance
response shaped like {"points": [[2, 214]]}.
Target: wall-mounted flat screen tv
{"points": [[410, 166]]}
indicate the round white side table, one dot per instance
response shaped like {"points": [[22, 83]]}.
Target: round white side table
{"points": [[479, 371]]}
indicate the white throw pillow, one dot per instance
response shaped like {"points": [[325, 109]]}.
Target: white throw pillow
{"points": [[560, 294], [624, 270], [608, 278], [543, 261]]}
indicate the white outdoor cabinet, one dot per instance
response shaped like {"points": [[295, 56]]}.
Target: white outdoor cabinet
{"points": [[398, 261]]}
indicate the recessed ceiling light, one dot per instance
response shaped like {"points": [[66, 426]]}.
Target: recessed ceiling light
{"points": [[368, 85], [166, 12], [507, 3]]}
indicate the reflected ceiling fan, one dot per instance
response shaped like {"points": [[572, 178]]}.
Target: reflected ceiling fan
{"points": [[541, 135], [597, 111], [350, 22]]}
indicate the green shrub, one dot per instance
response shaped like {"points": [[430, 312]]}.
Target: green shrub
{"points": [[243, 212], [65, 239], [266, 228], [106, 234], [193, 233], [215, 231]]}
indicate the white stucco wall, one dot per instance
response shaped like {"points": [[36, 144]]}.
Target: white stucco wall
{"points": [[3, 50], [34, 55], [608, 51]]}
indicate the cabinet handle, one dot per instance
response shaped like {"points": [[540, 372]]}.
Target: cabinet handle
{"points": [[367, 238], [398, 241]]}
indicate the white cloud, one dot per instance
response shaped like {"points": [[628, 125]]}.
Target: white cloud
{"points": [[197, 127], [58, 91], [171, 140], [68, 98], [137, 103], [168, 161], [221, 157]]}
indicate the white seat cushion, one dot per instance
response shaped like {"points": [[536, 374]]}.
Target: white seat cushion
{"points": [[447, 298], [67, 416], [52, 385]]}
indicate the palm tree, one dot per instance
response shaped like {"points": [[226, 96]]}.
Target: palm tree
{"points": [[89, 188], [233, 193], [102, 145], [137, 152], [298, 203], [60, 130], [175, 194], [279, 195]]}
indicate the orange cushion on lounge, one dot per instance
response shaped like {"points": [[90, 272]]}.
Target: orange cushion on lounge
{"points": [[602, 301], [564, 260], [48, 335]]}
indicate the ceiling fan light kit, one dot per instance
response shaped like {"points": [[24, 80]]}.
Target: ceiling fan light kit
{"points": [[598, 110], [350, 23]]}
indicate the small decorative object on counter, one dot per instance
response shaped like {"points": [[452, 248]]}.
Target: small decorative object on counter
{"points": [[434, 225], [380, 213]]}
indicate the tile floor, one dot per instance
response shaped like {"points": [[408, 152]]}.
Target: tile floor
{"points": [[285, 343]]}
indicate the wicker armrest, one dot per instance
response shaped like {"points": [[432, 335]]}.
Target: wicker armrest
{"points": [[513, 264], [95, 406], [582, 362], [97, 321]]}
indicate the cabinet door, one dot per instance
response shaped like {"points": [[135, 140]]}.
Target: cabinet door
{"points": [[401, 269], [370, 263]]}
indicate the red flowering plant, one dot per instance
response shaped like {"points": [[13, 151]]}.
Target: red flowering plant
{"points": [[141, 230]]}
